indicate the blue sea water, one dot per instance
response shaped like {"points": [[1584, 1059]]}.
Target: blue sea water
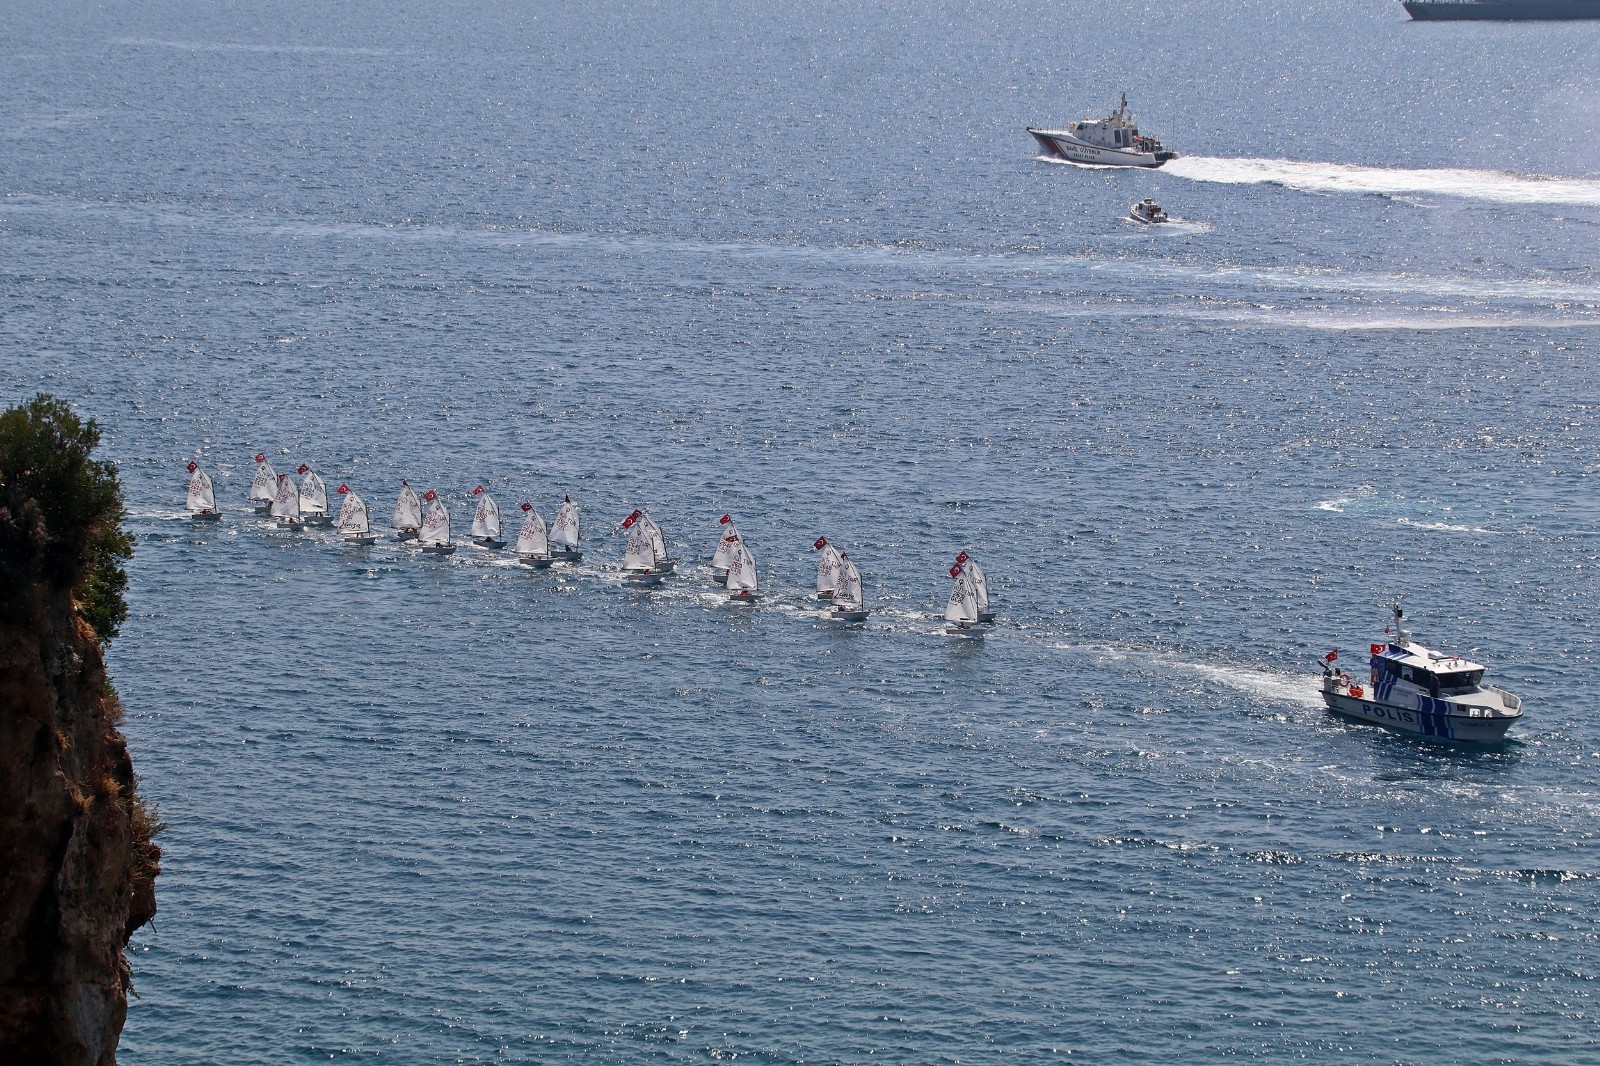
{"points": [[800, 263]]}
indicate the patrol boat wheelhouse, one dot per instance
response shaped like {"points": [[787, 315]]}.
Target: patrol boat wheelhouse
{"points": [[1414, 689], [1113, 141]]}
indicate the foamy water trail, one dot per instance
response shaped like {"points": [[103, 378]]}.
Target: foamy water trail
{"points": [[1490, 185]]}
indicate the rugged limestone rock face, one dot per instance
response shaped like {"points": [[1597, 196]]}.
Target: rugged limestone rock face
{"points": [[77, 865]]}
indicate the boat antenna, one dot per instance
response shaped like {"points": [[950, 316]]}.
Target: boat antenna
{"points": [[1401, 634]]}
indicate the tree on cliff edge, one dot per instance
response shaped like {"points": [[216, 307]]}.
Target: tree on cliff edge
{"points": [[77, 865], [60, 515]]}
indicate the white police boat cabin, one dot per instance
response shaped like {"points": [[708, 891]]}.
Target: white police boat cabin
{"points": [[1414, 689]]}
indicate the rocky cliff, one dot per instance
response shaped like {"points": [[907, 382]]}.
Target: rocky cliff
{"points": [[77, 865]]}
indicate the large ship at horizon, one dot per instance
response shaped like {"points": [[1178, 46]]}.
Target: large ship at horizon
{"points": [[1500, 10]]}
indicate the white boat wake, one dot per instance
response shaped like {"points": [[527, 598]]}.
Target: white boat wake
{"points": [[1488, 185]]}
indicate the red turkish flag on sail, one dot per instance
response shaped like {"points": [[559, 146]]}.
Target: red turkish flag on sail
{"points": [[819, 543], [627, 523], [261, 457], [191, 468], [302, 470], [955, 571], [527, 507], [725, 519], [430, 496], [343, 489]]}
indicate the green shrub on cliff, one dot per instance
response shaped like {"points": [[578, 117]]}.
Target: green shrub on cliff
{"points": [[60, 515]]}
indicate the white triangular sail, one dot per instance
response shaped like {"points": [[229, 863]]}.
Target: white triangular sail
{"points": [[828, 569], [657, 541], [723, 558], [286, 503], [848, 595], [407, 509], [313, 494], [353, 514], [980, 584], [201, 497], [963, 605], [436, 524], [742, 570], [486, 519], [531, 538], [564, 530], [264, 486], [640, 554]]}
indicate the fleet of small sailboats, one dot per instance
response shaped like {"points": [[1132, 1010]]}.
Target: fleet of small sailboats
{"points": [[202, 501], [435, 533], [353, 525], [646, 562], [486, 521]]}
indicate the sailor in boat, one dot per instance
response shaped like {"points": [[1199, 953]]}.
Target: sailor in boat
{"points": [[202, 500]]}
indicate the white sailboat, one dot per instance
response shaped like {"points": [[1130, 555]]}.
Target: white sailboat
{"points": [[486, 521], [286, 503], [202, 501], [849, 603], [353, 518], [564, 534], [743, 586], [980, 585], [962, 610], [827, 568], [407, 518], [313, 498], [641, 563], [722, 558], [264, 486], [533, 543], [435, 533]]}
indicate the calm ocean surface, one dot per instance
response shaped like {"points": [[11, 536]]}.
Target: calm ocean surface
{"points": [[800, 263]]}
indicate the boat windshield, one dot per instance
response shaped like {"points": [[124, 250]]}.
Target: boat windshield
{"points": [[1461, 679]]}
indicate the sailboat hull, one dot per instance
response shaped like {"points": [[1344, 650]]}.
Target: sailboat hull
{"points": [[743, 596], [840, 614], [206, 516], [963, 631], [643, 579], [489, 542], [361, 539], [439, 549], [319, 520], [535, 561], [565, 555]]}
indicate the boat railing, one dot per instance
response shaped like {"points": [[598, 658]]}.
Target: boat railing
{"points": [[1511, 702]]}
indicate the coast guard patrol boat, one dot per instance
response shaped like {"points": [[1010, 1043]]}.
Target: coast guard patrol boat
{"points": [[1414, 689], [1113, 141]]}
